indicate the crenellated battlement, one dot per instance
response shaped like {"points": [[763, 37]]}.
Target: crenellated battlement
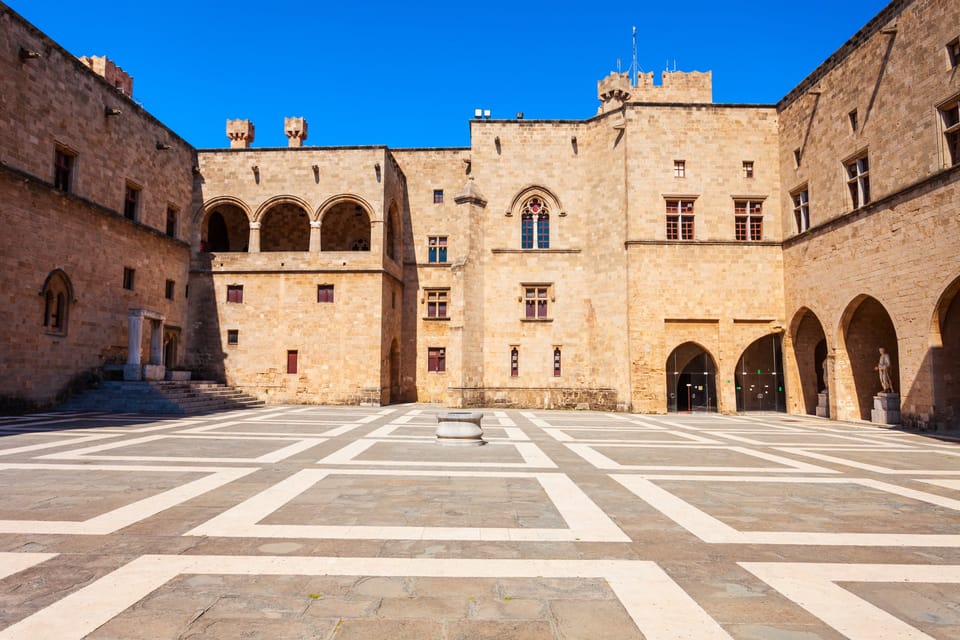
{"points": [[105, 67], [675, 87]]}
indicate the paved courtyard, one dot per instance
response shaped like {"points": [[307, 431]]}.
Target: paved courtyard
{"points": [[346, 522]]}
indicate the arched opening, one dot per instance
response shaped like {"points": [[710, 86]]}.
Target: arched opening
{"points": [[225, 228], [285, 227], [810, 353], [691, 379], [394, 371], [759, 376], [171, 339], [946, 359], [867, 329], [345, 227], [57, 293], [394, 251]]}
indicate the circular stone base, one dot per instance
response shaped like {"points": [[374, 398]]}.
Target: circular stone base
{"points": [[460, 428]]}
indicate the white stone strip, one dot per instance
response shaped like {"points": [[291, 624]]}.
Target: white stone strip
{"points": [[600, 461], [712, 530], [662, 610], [813, 587], [532, 456], [71, 441], [643, 588], [585, 520], [123, 516], [213, 430], [844, 442], [876, 468], [299, 445], [560, 434], [949, 484], [273, 412], [515, 433], [11, 563]]}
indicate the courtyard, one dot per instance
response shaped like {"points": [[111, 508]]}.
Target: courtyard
{"points": [[296, 522]]}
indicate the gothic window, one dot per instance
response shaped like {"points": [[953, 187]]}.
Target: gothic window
{"points": [[557, 371], [57, 295], [535, 224], [514, 361]]}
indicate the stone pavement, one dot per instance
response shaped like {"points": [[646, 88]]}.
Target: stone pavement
{"points": [[346, 522]]}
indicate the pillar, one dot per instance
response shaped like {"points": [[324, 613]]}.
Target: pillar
{"points": [[315, 236], [131, 371], [254, 240]]}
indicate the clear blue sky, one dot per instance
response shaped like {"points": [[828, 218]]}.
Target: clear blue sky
{"points": [[409, 74]]}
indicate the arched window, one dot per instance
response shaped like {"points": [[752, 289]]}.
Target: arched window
{"points": [[57, 295], [535, 212]]}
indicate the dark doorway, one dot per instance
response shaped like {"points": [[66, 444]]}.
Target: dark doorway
{"points": [[759, 376], [691, 379]]}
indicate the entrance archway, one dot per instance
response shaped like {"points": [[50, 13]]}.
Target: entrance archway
{"points": [[809, 352], [285, 227], [759, 376], [946, 358], [866, 327], [691, 379]]}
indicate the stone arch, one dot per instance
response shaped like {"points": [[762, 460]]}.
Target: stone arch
{"points": [[345, 224], [865, 326], [284, 224], [224, 225], [759, 375], [945, 356], [691, 378], [58, 297], [809, 353], [393, 234]]}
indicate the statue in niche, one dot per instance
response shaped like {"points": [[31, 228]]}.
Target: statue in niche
{"points": [[883, 369], [826, 385]]}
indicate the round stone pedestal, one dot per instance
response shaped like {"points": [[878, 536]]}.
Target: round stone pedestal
{"points": [[460, 428]]}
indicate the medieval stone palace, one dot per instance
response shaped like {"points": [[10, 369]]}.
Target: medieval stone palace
{"points": [[667, 254]]}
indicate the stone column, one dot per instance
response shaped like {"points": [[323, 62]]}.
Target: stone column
{"points": [[131, 371], [254, 241], [156, 342], [315, 236]]}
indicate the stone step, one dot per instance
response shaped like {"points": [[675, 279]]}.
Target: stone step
{"points": [[161, 397]]}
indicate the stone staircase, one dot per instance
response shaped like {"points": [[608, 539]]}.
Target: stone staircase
{"points": [[164, 397]]}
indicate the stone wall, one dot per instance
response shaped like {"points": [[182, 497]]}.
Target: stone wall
{"points": [[881, 274]]}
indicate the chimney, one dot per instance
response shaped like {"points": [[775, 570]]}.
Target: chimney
{"points": [[240, 133]]}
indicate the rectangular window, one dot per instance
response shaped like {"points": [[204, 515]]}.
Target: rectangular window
{"points": [[437, 359], [535, 302], [679, 219], [679, 169], [950, 115], [801, 209], [235, 293], [233, 336], [858, 180], [514, 362], [324, 293], [437, 302], [169, 289], [854, 120], [796, 157], [292, 362], [172, 222], [63, 169], [128, 278], [556, 362], [953, 52], [437, 249], [749, 219], [438, 196], [131, 202], [748, 168]]}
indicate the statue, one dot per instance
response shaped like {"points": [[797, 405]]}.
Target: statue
{"points": [[826, 385], [883, 368]]}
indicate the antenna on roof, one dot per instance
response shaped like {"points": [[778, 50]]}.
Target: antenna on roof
{"points": [[618, 66], [634, 69]]}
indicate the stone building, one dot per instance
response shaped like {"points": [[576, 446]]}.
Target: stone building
{"points": [[667, 254]]}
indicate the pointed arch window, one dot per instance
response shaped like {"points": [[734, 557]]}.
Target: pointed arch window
{"points": [[535, 224], [57, 296]]}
